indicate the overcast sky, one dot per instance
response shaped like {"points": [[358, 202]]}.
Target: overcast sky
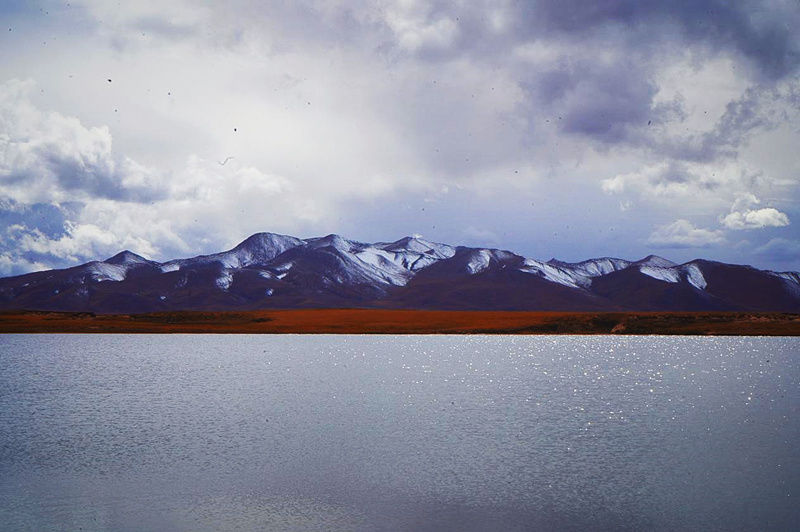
{"points": [[555, 128]]}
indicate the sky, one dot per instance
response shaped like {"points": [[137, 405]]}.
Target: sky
{"points": [[553, 128]]}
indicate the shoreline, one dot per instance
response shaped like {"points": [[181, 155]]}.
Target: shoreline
{"points": [[380, 321]]}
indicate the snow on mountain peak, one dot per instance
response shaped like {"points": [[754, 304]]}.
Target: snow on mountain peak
{"points": [[331, 240], [126, 257], [419, 245], [115, 268], [588, 269], [104, 271], [551, 271], [656, 262], [269, 241], [256, 249], [479, 259]]}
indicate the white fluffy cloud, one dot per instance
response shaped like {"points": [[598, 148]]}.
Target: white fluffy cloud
{"points": [[682, 234], [47, 156], [52, 159], [755, 219]]}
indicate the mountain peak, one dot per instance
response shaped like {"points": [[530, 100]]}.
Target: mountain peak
{"points": [[268, 240], [417, 244], [656, 261], [331, 240], [411, 243], [126, 257]]}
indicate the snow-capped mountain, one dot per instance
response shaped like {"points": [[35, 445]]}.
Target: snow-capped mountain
{"points": [[268, 270]]}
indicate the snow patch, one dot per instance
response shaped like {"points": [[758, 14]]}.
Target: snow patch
{"points": [[102, 271], [792, 277], [224, 280], [170, 267], [554, 274], [478, 262], [662, 274], [656, 262], [283, 269], [591, 268], [791, 281], [695, 276]]}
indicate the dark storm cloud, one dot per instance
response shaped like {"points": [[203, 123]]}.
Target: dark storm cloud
{"points": [[762, 32], [97, 177], [740, 119], [105, 178], [605, 102], [611, 100]]}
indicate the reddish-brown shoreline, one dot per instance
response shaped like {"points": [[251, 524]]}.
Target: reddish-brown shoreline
{"points": [[369, 321]]}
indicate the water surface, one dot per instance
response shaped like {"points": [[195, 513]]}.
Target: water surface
{"points": [[222, 432]]}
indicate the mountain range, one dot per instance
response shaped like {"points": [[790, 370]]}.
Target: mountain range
{"points": [[269, 270]]}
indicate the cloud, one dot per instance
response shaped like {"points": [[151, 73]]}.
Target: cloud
{"points": [[416, 30], [755, 219], [206, 207], [665, 180], [324, 105], [766, 40], [479, 236], [52, 157], [682, 234], [781, 249], [79, 242], [13, 264]]}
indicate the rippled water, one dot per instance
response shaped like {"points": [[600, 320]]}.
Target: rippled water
{"points": [[195, 432]]}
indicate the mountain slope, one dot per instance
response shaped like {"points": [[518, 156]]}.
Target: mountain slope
{"points": [[268, 270]]}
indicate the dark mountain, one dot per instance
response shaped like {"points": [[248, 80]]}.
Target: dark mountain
{"points": [[276, 271]]}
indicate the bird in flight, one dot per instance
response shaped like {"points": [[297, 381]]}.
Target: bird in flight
{"points": [[223, 163]]}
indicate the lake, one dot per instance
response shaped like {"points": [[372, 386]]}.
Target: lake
{"points": [[304, 432]]}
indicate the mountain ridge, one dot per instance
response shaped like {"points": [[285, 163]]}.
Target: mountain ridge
{"points": [[269, 270]]}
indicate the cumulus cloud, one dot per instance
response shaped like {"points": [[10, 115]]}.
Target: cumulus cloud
{"points": [[49, 156], [670, 180], [78, 242], [683, 234], [755, 219], [67, 196], [206, 206]]}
